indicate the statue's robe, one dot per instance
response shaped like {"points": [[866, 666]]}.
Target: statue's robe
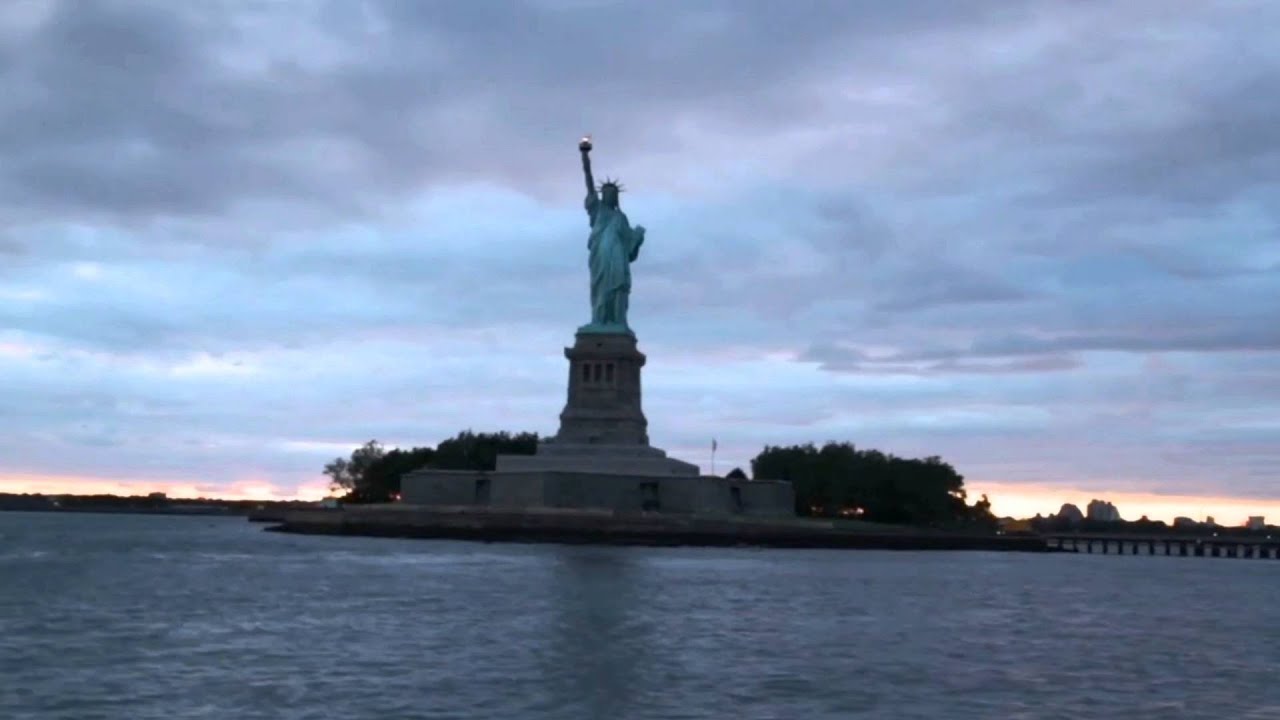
{"points": [[613, 245]]}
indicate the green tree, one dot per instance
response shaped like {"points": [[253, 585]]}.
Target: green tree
{"points": [[479, 451], [380, 482], [839, 479], [736, 474], [340, 477], [372, 475], [345, 475]]}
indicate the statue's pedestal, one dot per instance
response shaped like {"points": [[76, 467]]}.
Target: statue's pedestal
{"points": [[601, 458], [603, 405], [602, 427]]}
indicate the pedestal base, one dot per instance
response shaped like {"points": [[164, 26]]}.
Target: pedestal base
{"points": [[599, 459], [616, 493], [603, 404]]}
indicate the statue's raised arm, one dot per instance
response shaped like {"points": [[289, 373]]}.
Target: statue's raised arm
{"points": [[585, 147]]}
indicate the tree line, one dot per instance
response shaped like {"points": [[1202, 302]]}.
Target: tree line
{"points": [[835, 480], [839, 480], [372, 474]]}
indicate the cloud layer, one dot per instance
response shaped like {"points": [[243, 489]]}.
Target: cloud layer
{"points": [[1037, 238]]}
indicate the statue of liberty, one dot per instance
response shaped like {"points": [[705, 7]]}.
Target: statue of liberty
{"points": [[613, 246]]}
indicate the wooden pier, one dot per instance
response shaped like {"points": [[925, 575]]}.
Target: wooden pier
{"points": [[1171, 546]]}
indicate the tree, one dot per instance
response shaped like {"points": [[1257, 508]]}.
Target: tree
{"points": [[839, 479], [340, 477], [365, 456], [346, 474], [736, 474], [479, 451], [381, 480], [372, 475], [981, 513]]}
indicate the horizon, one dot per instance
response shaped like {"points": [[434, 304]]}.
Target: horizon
{"points": [[242, 240], [1006, 500]]}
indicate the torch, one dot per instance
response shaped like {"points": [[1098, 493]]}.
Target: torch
{"points": [[584, 145]]}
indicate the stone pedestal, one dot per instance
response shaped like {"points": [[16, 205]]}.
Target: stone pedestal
{"points": [[601, 458], [603, 407], [602, 426]]}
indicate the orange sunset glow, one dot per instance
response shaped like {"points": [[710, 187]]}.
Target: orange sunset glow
{"points": [[1024, 500], [249, 489], [1007, 499]]}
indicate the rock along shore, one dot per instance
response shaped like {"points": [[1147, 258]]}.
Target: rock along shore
{"points": [[652, 529]]}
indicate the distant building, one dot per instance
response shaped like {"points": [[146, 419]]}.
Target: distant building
{"points": [[1185, 523], [1208, 520], [1256, 522], [1070, 514], [1102, 511]]}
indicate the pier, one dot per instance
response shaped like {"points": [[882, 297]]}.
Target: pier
{"points": [[1168, 545]]}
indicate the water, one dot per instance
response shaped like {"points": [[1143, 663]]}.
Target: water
{"points": [[138, 617]]}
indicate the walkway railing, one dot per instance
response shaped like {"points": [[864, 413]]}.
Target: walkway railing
{"points": [[1228, 547]]}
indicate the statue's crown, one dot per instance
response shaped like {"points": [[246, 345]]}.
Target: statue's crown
{"points": [[610, 183]]}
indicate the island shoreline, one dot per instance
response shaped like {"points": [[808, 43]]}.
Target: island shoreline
{"points": [[636, 529]]}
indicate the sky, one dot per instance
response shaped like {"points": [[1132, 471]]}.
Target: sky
{"points": [[1038, 239]]}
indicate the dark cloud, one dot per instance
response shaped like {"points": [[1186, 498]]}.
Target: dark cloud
{"points": [[1113, 106], [932, 284], [1019, 352], [838, 358], [157, 108], [1235, 339]]}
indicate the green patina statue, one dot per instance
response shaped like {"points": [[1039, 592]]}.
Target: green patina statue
{"points": [[613, 246]]}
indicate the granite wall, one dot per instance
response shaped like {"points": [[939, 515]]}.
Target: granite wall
{"points": [[683, 495]]}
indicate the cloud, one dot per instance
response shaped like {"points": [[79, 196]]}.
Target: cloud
{"points": [[1037, 238]]}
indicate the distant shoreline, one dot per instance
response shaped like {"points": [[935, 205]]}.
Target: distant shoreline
{"points": [[108, 510], [154, 504]]}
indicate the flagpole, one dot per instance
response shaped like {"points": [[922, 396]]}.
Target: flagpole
{"points": [[713, 457]]}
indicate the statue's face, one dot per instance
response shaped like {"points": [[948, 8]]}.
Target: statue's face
{"points": [[609, 196]]}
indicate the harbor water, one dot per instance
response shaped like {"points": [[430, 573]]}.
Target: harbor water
{"points": [[135, 617]]}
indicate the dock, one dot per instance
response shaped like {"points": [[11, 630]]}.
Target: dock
{"points": [[1228, 546]]}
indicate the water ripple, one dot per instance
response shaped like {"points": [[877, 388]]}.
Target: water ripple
{"points": [[150, 617]]}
